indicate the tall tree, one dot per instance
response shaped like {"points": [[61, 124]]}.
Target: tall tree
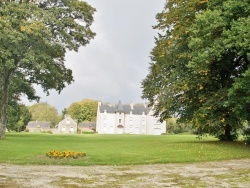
{"points": [[34, 38], [44, 112], [84, 110], [202, 77], [19, 116], [219, 64], [165, 85]]}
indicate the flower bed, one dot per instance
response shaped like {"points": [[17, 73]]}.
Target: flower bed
{"points": [[64, 154]]}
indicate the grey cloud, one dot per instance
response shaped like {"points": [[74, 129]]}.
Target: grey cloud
{"points": [[113, 65]]}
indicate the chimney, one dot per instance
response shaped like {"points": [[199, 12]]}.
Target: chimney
{"points": [[131, 106]]}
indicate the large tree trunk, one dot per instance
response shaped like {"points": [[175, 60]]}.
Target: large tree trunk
{"points": [[2, 126], [3, 119], [228, 135], [3, 105]]}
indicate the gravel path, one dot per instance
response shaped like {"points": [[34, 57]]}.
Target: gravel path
{"points": [[232, 173]]}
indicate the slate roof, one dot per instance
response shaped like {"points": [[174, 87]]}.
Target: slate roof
{"points": [[38, 124], [87, 125], [119, 107], [138, 109]]}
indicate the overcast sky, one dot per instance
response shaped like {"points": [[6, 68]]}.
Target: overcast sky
{"points": [[113, 65]]}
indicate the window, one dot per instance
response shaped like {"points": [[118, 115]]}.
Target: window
{"points": [[120, 120], [130, 121], [143, 121]]}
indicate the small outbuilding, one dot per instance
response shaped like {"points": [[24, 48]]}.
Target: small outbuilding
{"points": [[67, 125], [87, 127], [38, 126]]}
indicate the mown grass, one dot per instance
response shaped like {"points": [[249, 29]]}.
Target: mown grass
{"points": [[28, 148]]}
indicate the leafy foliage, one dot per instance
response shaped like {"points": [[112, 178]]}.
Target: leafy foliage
{"points": [[246, 134], [84, 110], [167, 72], [34, 38], [44, 112], [173, 127], [200, 65], [19, 116]]}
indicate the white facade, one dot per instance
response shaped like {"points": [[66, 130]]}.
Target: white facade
{"points": [[127, 119], [67, 125]]}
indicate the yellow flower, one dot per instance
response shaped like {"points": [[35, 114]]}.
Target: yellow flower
{"points": [[201, 87], [222, 120], [65, 154]]}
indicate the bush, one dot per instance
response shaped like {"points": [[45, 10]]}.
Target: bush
{"points": [[246, 134], [49, 132], [173, 127], [88, 132]]}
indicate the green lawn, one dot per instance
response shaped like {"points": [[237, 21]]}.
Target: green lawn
{"points": [[28, 148]]}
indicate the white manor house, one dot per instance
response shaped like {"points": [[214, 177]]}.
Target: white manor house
{"points": [[127, 119]]}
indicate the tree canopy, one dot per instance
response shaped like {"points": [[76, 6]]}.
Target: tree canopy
{"points": [[200, 65], [34, 37], [18, 117], [44, 112], [84, 110]]}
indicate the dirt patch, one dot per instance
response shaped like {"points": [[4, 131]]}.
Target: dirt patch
{"points": [[232, 173]]}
